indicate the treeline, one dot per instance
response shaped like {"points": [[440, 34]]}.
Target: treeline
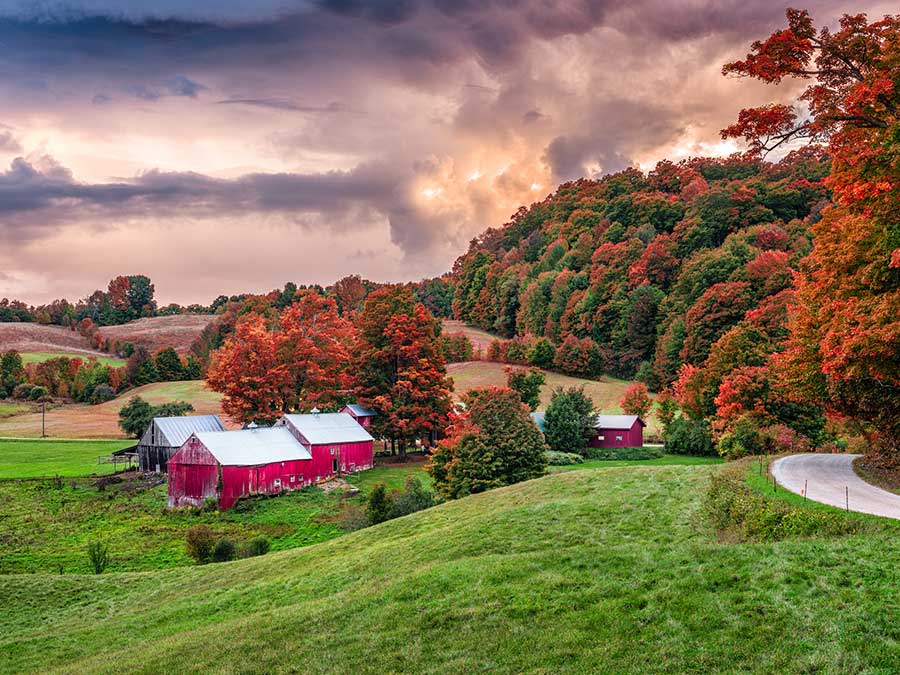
{"points": [[87, 380]]}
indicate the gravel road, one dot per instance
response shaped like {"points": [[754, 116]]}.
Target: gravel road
{"points": [[829, 480]]}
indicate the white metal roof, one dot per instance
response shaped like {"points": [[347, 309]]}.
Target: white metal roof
{"points": [[325, 428], [178, 429], [250, 447], [361, 410], [616, 421]]}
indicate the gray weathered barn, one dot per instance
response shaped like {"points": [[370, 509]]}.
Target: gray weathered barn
{"points": [[166, 434]]}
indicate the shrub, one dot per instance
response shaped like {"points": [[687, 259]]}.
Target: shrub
{"points": [[414, 497], [456, 347], [541, 353], [257, 546], [98, 556], [3, 393], [22, 391], [103, 393], [224, 551], [378, 505], [689, 437], [734, 507], [200, 543], [37, 393], [555, 458], [629, 454]]}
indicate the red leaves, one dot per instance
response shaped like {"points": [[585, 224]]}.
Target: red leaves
{"points": [[762, 126], [785, 53], [636, 400]]}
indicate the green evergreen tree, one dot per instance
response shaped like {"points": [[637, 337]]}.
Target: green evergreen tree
{"points": [[168, 365], [569, 421], [378, 505]]}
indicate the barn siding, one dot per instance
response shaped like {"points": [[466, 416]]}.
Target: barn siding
{"points": [[193, 474], [631, 438]]}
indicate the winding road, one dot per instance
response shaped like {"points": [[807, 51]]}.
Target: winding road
{"points": [[830, 479]]}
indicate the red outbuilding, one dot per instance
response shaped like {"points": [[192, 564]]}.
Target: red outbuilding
{"points": [[299, 450], [618, 431], [360, 413]]}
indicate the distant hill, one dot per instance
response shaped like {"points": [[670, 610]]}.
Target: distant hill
{"points": [[33, 337], [178, 331]]}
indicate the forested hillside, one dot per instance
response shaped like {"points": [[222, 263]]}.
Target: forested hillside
{"points": [[654, 269]]}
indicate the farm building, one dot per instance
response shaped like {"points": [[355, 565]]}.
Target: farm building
{"points": [[337, 442], [299, 450], [360, 413], [613, 431], [166, 434]]}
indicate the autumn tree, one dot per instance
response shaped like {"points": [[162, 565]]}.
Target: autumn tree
{"points": [[494, 443], [300, 362], [637, 401], [844, 347], [527, 383], [400, 370], [570, 420]]}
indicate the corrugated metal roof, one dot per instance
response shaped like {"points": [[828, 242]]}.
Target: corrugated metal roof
{"points": [[538, 418], [251, 447], [361, 410], [178, 429], [616, 421], [325, 428]]}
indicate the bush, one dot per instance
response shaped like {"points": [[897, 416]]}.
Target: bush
{"points": [[257, 546], [628, 454], [3, 393], [542, 353], [555, 458], [224, 551], [103, 393], [414, 497], [734, 507], [528, 383], [353, 518], [200, 543], [22, 391], [689, 437], [98, 556], [378, 506], [38, 393]]}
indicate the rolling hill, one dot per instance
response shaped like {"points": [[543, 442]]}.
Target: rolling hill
{"points": [[599, 571], [80, 420], [33, 337], [157, 332]]}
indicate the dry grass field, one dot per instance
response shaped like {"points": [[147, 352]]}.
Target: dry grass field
{"points": [[480, 339], [32, 337], [79, 420], [160, 331]]}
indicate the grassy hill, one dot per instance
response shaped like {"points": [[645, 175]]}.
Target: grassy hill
{"points": [[102, 421], [598, 571], [33, 337], [40, 357], [157, 332]]}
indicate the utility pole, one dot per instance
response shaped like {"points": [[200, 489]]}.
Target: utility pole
{"points": [[43, 419]]}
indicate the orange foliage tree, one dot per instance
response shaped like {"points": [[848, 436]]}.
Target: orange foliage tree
{"points": [[298, 364], [844, 347], [637, 401]]}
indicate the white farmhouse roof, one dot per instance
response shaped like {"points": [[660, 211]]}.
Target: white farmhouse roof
{"points": [[250, 447], [325, 428], [176, 430], [616, 421]]}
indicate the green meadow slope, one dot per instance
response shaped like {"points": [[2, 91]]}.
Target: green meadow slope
{"points": [[596, 571]]}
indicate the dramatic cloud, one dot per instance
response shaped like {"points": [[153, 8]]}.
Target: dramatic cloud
{"points": [[239, 144]]}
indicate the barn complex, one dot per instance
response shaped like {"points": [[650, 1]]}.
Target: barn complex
{"points": [[613, 431], [299, 450], [166, 434]]}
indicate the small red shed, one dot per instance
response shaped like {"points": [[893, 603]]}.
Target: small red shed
{"points": [[361, 414], [618, 431], [337, 442]]}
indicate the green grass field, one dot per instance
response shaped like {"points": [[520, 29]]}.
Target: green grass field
{"points": [[10, 408], [40, 357], [42, 458], [611, 571], [665, 460]]}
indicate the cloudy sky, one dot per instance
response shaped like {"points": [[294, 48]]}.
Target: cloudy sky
{"points": [[230, 146]]}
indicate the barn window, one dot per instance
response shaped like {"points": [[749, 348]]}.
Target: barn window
{"points": [[332, 451], [618, 438], [293, 478], [277, 482], [601, 437]]}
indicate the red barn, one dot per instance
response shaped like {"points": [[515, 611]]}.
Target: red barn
{"points": [[299, 450], [335, 440], [361, 414], [618, 431]]}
